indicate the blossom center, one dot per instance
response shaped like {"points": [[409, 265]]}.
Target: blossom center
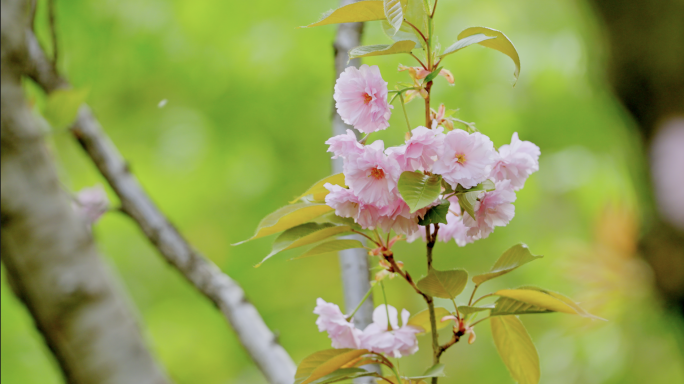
{"points": [[377, 173], [460, 158], [367, 98]]}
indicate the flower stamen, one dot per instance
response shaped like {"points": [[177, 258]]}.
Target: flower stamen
{"points": [[377, 173]]}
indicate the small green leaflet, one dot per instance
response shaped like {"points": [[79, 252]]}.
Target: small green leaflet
{"points": [[432, 75], [466, 310], [436, 370], [444, 284], [352, 13], [331, 246], [419, 190], [404, 46], [516, 256], [436, 214], [304, 234], [465, 42]]}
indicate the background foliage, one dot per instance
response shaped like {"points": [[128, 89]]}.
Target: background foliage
{"points": [[249, 106]]}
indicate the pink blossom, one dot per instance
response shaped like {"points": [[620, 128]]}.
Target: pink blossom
{"points": [[347, 204], [494, 209], [398, 216], [395, 342], [91, 203], [421, 150], [517, 162], [330, 319], [454, 229], [344, 145], [465, 159], [361, 98], [372, 175]]}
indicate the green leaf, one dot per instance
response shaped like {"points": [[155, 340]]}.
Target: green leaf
{"points": [[324, 362], [485, 186], [62, 106], [318, 191], [394, 13], [537, 298], [467, 41], [422, 319], [444, 284], [404, 46], [287, 217], [343, 374], [508, 306], [419, 190], [352, 13], [516, 349], [331, 246], [405, 33], [304, 234], [436, 214], [436, 370], [513, 258], [332, 218], [467, 202], [466, 310], [432, 75], [501, 44], [416, 13]]}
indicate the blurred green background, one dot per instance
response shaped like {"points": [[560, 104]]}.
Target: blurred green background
{"points": [[249, 107]]}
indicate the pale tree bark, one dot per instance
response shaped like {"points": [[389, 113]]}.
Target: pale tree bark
{"points": [[253, 333], [48, 251], [353, 262]]}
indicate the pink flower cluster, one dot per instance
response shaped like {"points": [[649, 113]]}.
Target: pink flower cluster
{"points": [[377, 337], [463, 159]]}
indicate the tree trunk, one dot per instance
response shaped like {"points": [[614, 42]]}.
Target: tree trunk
{"points": [[48, 250]]}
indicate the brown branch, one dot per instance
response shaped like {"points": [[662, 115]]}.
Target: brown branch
{"points": [[258, 340], [454, 339]]}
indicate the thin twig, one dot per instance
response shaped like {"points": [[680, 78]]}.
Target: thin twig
{"points": [[417, 30], [433, 10], [367, 237], [53, 31], [418, 60]]}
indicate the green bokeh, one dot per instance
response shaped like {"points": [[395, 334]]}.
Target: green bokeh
{"points": [[248, 111]]}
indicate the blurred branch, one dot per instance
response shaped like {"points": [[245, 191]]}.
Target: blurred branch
{"points": [[255, 336], [353, 262], [646, 72], [50, 258]]}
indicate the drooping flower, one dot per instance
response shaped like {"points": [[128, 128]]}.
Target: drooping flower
{"points": [[516, 162], [91, 203], [466, 158], [347, 204], [454, 229], [330, 319], [420, 151], [494, 209], [361, 98], [344, 145], [372, 175], [395, 342], [397, 216]]}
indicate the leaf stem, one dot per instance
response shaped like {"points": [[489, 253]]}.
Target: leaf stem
{"points": [[433, 10], [366, 236], [403, 108], [384, 297], [479, 321], [470, 302], [417, 59], [360, 303], [483, 297], [417, 30]]}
